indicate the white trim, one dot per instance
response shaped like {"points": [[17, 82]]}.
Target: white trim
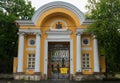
{"points": [[80, 30], [30, 30], [20, 52], [37, 53], [89, 68], [58, 4], [52, 5], [30, 49], [86, 48], [96, 56], [46, 53], [45, 56], [59, 34], [78, 53], [71, 58], [28, 60]]}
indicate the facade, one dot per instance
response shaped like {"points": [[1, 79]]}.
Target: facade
{"points": [[54, 45]]}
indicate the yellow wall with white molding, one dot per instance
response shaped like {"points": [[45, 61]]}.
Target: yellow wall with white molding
{"points": [[44, 23]]}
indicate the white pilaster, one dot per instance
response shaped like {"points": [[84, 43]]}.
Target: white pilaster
{"points": [[78, 57], [96, 56], [71, 58], [37, 53], [20, 52], [46, 57]]}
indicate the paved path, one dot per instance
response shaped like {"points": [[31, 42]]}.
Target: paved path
{"points": [[56, 81]]}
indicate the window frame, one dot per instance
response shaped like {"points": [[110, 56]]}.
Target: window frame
{"points": [[84, 56], [31, 62]]}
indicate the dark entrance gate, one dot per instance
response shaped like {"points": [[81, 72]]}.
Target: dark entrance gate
{"points": [[58, 60]]}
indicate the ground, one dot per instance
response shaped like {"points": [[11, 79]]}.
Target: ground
{"points": [[56, 81]]}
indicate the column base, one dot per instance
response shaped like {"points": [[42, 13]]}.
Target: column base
{"points": [[78, 73], [78, 76], [91, 77], [45, 77], [71, 77], [18, 75], [22, 76]]}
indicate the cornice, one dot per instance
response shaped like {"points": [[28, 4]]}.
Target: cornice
{"points": [[51, 5], [59, 32]]}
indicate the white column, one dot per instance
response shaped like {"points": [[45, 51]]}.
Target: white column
{"points": [[20, 52], [71, 58], [78, 57], [96, 56], [37, 53], [45, 57]]}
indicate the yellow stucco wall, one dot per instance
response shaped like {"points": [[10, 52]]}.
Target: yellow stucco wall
{"points": [[44, 23], [15, 61], [102, 64]]}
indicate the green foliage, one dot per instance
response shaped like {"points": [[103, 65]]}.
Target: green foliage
{"points": [[106, 15], [11, 10]]}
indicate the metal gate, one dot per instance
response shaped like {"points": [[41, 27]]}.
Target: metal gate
{"points": [[59, 61]]}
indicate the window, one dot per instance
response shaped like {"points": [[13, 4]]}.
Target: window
{"points": [[85, 61], [31, 61], [31, 42]]}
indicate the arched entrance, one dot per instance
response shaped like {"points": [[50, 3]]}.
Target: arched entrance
{"points": [[58, 60], [54, 49]]}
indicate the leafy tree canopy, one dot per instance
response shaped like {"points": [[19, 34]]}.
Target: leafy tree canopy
{"points": [[106, 26], [11, 10]]}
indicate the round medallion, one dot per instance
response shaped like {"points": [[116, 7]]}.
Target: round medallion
{"points": [[85, 41], [32, 42]]}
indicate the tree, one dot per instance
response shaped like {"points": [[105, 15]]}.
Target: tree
{"points": [[11, 10], [106, 26]]}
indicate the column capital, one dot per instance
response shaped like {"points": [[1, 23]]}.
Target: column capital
{"points": [[21, 33], [94, 36], [78, 33], [37, 34]]}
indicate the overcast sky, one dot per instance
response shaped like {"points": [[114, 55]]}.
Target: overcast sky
{"points": [[78, 3]]}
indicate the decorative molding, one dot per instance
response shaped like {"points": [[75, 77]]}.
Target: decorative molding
{"points": [[59, 34], [58, 4], [86, 69], [88, 21], [86, 48], [52, 5], [80, 30], [25, 22], [30, 49], [33, 31]]}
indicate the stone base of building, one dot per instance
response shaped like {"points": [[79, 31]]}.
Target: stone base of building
{"points": [[83, 77], [35, 77]]}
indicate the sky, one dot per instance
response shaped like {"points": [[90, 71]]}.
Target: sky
{"points": [[78, 3]]}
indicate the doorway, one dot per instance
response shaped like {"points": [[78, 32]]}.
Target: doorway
{"points": [[58, 60]]}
